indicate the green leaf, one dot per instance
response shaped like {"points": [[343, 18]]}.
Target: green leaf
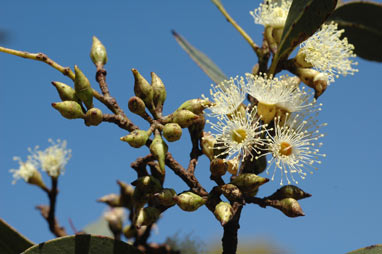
{"points": [[11, 241], [374, 249], [211, 69], [304, 18], [84, 244], [362, 22]]}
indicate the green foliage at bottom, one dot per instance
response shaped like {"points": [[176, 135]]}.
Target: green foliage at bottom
{"points": [[11, 241], [374, 249]]}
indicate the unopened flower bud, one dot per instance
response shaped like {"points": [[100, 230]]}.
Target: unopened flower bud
{"points": [[233, 165], [266, 112], [289, 191], [249, 183], [115, 217], [196, 106], [189, 201], [148, 184], [126, 194], [182, 117], [159, 149], [98, 52], [207, 143], [218, 167], [129, 231], [69, 109], [112, 200], [137, 106], [143, 89], [290, 207], [223, 212], [65, 92], [147, 216], [140, 198], [136, 138], [83, 88], [166, 197], [231, 192], [160, 94], [314, 79], [172, 132], [93, 117]]}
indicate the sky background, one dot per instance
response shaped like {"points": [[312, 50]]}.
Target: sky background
{"points": [[345, 210]]}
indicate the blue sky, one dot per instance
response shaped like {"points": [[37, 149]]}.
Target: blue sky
{"points": [[344, 212]]}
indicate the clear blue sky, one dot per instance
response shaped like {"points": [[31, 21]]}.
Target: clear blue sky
{"points": [[345, 210]]}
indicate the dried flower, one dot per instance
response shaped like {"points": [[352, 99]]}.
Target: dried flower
{"points": [[272, 13]]}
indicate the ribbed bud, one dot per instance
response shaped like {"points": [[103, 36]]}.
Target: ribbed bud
{"points": [[166, 197], [189, 201], [231, 192], [182, 117], [289, 191], [223, 212], [266, 112], [83, 88], [129, 231], [112, 200], [290, 207], [93, 117], [207, 143], [136, 138], [218, 167], [249, 183], [159, 149], [196, 106], [126, 194], [137, 106], [159, 90], [69, 109], [148, 184], [65, 92], [314, 79], [172, 132], [143, 89], [147, 216], [98, 53]]}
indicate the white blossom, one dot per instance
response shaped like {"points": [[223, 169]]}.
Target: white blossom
{"points": [[272, 13], [25, 171]]}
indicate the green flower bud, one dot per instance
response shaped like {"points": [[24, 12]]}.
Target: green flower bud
{"points": [[137, 106], [290, 207], [182, 117], [83, 88], [143, 89], [218, 167], [112, 200], [196, 106], [223, 212], [147, 216], [231, 192], [207, 143], [65, 92], [249, 183], [172, 132], [93, 117], [189, 201], [140, 198], [148, 184], [159, 149], [160, 94], [129, 231], [69, 109], [289, 191], [98, 52], [166, 197], [136, 138], [126, 194]]}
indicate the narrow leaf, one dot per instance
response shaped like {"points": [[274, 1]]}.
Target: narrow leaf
{"points": [[12, 241], [362, 22], [209, 67], [374, 249]]}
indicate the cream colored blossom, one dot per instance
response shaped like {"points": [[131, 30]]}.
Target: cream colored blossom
{"points": [[25, 171], [272, 13]]}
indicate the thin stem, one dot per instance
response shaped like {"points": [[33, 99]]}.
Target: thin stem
{"points": [[229, 239]]}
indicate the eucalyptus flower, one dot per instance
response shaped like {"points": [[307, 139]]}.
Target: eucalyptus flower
{"points": [[272, 13], [26, 171]]}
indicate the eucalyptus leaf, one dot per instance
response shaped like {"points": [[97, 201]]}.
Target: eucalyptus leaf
{"points": [[84, 244], [206, 64], [374, 249], [304, 18], [11, 241], [362, 22]]}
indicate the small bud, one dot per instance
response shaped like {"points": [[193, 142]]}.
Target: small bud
{"points": [[83, 88], [137, 106], [207, 143], [223, 212], [160, 94], [147, 216], [182, 117], [159, 149], [314, 79], [65, 92], [126, 194], [115, 217], [166, 197], [93, 117], [249, 183], [266, 112], [196, 106], [189, 201], [143, 89], [289, 191], [148, 184], [290, 207], [233, 166], [218, 167], [98, 52], [140, 198], [136, 138], [69, 109], [129, 231], [172, 132], [231, 192], [112, 200]]}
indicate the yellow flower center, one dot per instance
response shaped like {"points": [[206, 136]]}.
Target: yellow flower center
{"points": [[239, 135], [285, 149]]}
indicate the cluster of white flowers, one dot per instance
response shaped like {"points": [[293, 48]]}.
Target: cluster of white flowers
{"points": [[51, 160], [272, 13]]}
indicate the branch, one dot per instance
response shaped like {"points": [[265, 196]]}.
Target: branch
{"points": [[139, 165], [122, 122], [229, 239]]}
